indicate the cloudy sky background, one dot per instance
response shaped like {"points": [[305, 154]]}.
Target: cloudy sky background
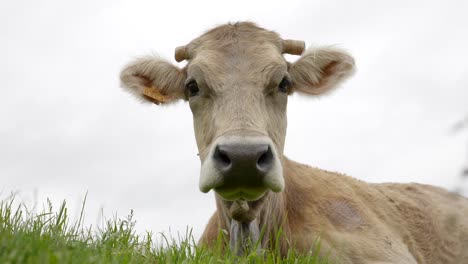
{"points": [[66, 128]]}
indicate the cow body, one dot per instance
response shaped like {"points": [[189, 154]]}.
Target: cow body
{"points": [[358, 222], [237, 83]]}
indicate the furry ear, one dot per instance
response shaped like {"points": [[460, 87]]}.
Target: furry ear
{"points": [[320, 70], [154, 80]]}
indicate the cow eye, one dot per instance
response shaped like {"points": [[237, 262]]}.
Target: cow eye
{"points": [[284, 85], [192, 88]]}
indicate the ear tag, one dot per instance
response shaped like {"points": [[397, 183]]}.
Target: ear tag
{"points": [[155, 95]]}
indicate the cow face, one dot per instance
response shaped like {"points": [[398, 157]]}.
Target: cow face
{"points": [[237, 84]]}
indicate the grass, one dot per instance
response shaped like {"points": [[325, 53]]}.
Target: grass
{"points": [[50, 237]]}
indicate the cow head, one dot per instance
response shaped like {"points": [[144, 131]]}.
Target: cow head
{"points": [[237, 84]]}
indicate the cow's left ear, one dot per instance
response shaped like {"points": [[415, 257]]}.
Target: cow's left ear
{"points": [[319, 70]]}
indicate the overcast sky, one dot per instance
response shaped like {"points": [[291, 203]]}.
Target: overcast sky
{"points": [[67, 128]]}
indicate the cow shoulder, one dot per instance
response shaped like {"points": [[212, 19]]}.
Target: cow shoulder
{"points": [[210, 235]]}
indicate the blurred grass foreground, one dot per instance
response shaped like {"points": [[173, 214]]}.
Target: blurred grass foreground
{"points": [[50, 237]]}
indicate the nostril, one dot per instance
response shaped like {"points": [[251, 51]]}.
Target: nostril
{"points": [[222, 158], [265, 160]]}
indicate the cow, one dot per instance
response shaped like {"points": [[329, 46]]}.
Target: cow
{"points": [[237, 82]]}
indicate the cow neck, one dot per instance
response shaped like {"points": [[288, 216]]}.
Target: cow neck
{"points": [[254, 225]]}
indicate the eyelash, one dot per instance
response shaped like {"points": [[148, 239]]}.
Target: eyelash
{"points": [[191, 88], [284, 85]]}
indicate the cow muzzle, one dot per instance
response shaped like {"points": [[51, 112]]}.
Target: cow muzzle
{"points": [[242, 167]]}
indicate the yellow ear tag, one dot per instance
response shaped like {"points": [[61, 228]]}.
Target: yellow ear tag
{"points": [[155, 95]]}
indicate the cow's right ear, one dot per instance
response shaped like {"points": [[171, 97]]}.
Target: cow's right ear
{"points": [[154, 80]]}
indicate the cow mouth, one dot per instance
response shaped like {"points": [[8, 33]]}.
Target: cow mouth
{"points": [[245, 194]]}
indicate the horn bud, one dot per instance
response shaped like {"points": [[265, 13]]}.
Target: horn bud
{"points": [[293, 47], [181, 53]]}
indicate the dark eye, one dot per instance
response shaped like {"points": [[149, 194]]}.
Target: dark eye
{"points": [[192, 88], [284, 85]]}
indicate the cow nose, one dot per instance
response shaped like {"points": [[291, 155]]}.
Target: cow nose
{"points": [[242, 167], [243, 164]]}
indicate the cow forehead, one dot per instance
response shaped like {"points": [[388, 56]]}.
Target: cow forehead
{"points": [[240, 54], [221, 71], [226, 36], [242, 57], [236, 45]]}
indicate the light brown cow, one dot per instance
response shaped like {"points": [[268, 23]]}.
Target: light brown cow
{"points": [[237, 84]]}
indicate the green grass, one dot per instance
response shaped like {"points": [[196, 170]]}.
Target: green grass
{"points": [[50, 237]]}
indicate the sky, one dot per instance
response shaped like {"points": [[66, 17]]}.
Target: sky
{"points": [[67, 129]]}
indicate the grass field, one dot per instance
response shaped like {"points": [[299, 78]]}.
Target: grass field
{"points": [[50, 237]]}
